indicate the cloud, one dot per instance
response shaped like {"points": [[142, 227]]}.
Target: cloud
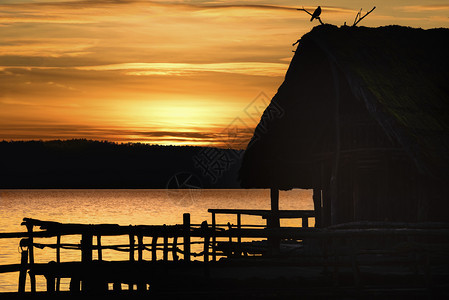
{"points": [[46, 47], [173, 69], [145, 69], [89, 11], [421, 8]]}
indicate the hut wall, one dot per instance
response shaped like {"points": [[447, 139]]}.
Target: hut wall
{"points": [[377, 180]]}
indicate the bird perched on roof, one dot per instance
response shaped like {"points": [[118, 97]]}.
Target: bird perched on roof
{"points": [[316, 14]]}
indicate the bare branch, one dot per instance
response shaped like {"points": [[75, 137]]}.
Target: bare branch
{"points": [[357, 16], [360, 19], [303, 9]]}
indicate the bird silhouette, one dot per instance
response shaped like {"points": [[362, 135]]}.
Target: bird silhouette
{"points": [[316, 13]]}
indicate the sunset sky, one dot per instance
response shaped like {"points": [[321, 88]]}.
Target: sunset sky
{"points": [[164, 72]]}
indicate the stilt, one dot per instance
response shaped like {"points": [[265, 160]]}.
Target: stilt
{"points": [[274, 243], [23, 271], [186, 224], [31, 257]]}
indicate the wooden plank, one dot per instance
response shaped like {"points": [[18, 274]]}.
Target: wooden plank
{"points": [[9, 235], [299, 233], [55, 228], [265, 213], [10, 268]]}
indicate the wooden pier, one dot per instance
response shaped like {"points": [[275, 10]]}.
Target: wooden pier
{"points": [[161, 258]]}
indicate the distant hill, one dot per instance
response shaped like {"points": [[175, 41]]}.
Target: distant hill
{"points": [[81, 163]]}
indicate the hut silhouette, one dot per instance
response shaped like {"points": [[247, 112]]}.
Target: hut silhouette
{"points": [[365, 124]]}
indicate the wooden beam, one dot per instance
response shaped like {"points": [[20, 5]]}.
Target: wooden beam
{"points": [[264, 213]]}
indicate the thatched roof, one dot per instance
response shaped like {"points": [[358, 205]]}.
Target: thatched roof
{"points": [[401, 76]]}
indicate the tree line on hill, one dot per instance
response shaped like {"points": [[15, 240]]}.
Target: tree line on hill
{"points": [[81, 163]]}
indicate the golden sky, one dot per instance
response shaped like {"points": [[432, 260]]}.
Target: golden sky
{"points": [[164, 72]]}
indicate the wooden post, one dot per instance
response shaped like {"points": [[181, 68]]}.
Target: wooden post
{"points": [[273, 222], [239, 237], [154, 248], [305, 222], [50, 283], [140, 247], [31, 256], [23, 271], [116, 286], [99, 250], [58, 259], [175, 248], [86, 247], [186, 223], [206, 234], [86, 257], [274, 193], [230, 237], [131, 247], [214, 238], [141, 286], [74, 285], [317, 207], [165, 251], [205, 230]]}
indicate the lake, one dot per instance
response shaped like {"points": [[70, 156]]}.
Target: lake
{"points": [[124, 207]]}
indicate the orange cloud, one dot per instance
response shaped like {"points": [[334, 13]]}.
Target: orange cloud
{"points": [[421, 8], [179, 69]]}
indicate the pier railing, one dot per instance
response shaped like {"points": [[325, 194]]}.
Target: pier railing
{"points": [[170, 247], [267, 215]]}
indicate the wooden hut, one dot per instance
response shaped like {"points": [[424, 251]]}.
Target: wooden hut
{"points": [[362, 118]]}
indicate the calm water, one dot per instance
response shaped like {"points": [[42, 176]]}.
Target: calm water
{"points": [[124, 207]]}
